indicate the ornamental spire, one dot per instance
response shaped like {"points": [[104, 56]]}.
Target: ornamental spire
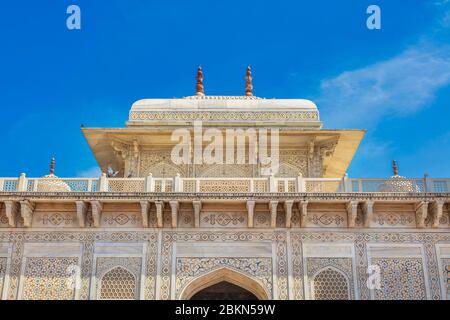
{"points": [[52, 167], [200, 91], [395, 168], [249, 82]]}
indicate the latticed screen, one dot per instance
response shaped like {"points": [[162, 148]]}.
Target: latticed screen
{"points": [[126, 185], [330, 284], [10, 185], [440, 186], [118, 284]]}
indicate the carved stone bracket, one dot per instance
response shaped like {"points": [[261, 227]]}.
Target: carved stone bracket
{"points": [[159, 213], [197, 208], [273, 205], [421, 213], [27, 210], [12, 210], [367, 208], [97, 208], [120, 149], [174, 206], [145, 208], [250, 212], [288, 210], [352, 212], [303, 207], [81, 213], [437, 211]]}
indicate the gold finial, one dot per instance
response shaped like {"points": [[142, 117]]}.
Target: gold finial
{"points": [[249, 82], [395, 168], [52, 166], [200, 91]]}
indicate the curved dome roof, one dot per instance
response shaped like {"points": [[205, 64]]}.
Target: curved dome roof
{"points": [[51, 183], [226, 110], [248, 103]]}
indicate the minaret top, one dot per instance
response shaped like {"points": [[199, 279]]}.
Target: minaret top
{"points": [[200, 91], [52, 167], [249, 82], [395, 168]]}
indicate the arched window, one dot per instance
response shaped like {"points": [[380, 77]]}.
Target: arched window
{"points": [[117, 284], [330, 284]]}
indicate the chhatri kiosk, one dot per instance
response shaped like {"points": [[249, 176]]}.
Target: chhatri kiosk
{"points": [[218, 197]]}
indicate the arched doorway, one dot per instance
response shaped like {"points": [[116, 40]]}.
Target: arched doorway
{"points": [[224, 291], [223, 283]]}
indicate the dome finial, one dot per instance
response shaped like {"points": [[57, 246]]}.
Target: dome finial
{"points": [[249, 82], [52, 166], [395, 168], [200, 91]]}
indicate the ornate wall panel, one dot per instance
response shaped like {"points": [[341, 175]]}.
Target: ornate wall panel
{"points": [[118, 278], [160, 165], [3, 217], [223, 219], [446, 277], [169, 238], [335, 274], [293, 163], [401, 279], [118, 220], [48, 278], [87, 240], [327, 220], [16, 263], [433, 266], [225, 170], [3, 265], [360, 240], [394, 220], [261, 219], [55, 219], [188, 269], [330, 284], [394, 216]]}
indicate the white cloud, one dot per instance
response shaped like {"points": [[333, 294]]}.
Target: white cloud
{"points": [[401, 85], [93, 172]]}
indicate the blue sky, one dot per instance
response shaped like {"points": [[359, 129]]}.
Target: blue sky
{"points": [[394, 82]]}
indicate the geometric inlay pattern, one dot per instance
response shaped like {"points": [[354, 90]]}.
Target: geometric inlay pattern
{"points": [[341, 270], [3, 261], [330, 284], [401, 279], [118, 278], [48, 278], [446, 276]]}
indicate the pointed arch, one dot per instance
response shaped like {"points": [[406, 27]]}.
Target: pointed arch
{"points": [[220, 275], [287, 170], [164, 170], [330, 283], [118, 283]]}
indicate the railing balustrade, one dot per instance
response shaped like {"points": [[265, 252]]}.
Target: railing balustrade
{"points": [[217, 185]]}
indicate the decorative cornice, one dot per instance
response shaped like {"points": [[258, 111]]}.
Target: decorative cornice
{"points": [[231, 116], [167, 196]]}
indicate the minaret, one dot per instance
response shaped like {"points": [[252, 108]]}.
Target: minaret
{"points": [[200, 91], [249, 82], [395, 168]]}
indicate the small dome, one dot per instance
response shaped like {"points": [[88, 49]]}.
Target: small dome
{"points": [[399, 184], [51, 183]]}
